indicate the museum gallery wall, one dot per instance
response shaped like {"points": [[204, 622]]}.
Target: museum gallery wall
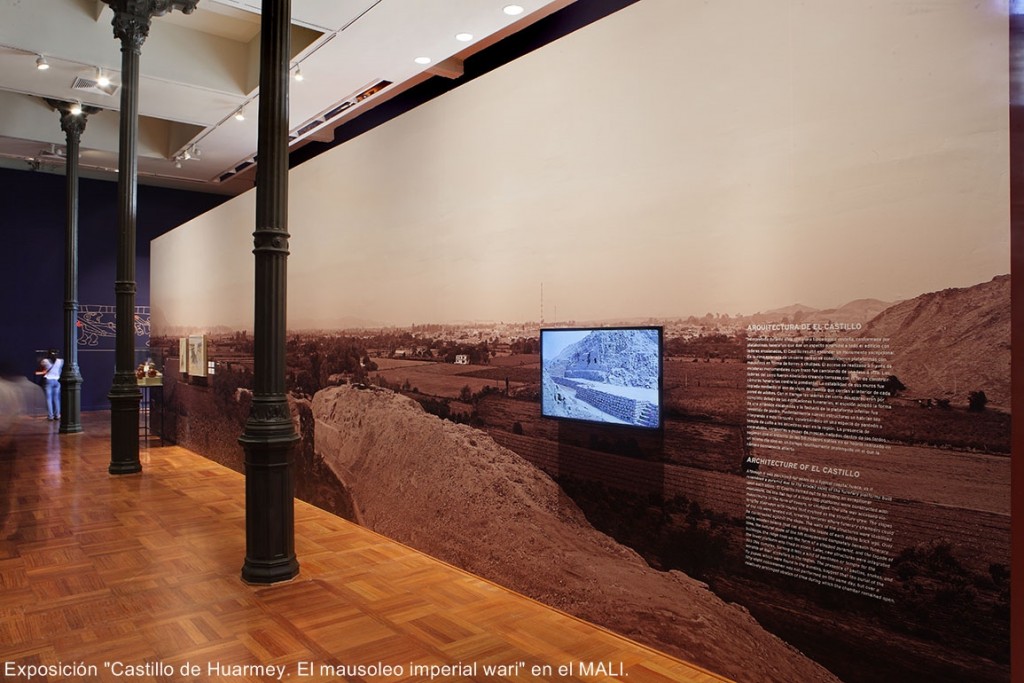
{"points": [[32, 263], [811, 199]]}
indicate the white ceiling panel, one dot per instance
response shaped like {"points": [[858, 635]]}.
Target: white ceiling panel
{"points": [[198, 70]]}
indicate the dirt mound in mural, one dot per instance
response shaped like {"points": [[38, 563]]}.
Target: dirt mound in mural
{"points": [[451, 491], [209, 419], [947, 344]]}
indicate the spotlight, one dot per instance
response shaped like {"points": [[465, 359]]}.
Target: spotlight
{"points": [[240, 114], [102, 79], [298, 74], [76, 109], [177, 162], [41, 63]]}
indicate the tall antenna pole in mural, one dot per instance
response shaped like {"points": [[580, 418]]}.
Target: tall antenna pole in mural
{"points": [[72, 122], [269, 433], [131, 26]]}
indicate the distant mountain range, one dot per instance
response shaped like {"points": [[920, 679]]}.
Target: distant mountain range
{"points": [[946, 344], [858, 310]]}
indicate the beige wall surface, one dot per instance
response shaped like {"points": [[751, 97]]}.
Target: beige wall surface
{"points": [[675, 158]]}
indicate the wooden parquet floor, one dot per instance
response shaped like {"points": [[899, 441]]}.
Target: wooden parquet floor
{"points": [[136, 578]]}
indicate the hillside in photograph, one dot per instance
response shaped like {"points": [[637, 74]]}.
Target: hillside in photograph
{"points": [[950, 343]]}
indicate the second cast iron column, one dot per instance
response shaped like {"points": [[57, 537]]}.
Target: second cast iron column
{"points": [[73, 126], [269, 433], [131, 26]]}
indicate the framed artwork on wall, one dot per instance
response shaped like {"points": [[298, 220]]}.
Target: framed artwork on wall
{"points": [[183, 355], [197, 355]]}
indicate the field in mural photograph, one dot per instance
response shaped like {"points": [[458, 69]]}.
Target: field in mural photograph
{"points": [[433, 435]]}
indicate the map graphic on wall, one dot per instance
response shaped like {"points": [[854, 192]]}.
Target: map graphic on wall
{"points": [[602, 375], [98, 322]]}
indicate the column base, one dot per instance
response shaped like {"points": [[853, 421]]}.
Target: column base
{"points": [[124, 425], [71, 400], [263, 572], [269, 492], [124, 468]]}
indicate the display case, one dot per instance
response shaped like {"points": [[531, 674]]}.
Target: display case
{"points": [[150, 378]]}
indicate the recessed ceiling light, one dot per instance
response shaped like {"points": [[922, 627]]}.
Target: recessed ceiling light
{"points": [[41, 63], [422, 60], [464, 37], [512, 10]]}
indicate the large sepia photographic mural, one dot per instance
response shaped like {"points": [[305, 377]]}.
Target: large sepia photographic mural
{"points": [[810, 200]]}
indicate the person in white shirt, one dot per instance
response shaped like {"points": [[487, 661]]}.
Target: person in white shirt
{"points": [[50, 368]]}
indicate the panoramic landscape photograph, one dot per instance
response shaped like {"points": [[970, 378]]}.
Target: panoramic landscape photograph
{"points": [[814, 463], [434, 435]]}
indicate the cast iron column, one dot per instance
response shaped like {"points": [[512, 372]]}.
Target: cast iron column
{"points": [[131, 26], [269, 434], [73, 126]]}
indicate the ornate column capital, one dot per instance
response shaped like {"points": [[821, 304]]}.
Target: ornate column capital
{"points": [[73, 125], [132, 18]]}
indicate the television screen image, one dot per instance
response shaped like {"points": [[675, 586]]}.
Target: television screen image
{"points": [[608, 375]]}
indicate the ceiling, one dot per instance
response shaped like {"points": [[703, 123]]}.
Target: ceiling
{"points": [[198, 71]]}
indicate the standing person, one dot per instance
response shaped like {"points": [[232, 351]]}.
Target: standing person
{"points": [[50, 368]]}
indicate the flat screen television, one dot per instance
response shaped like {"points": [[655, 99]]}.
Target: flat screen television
{"points": [[608, 375]]}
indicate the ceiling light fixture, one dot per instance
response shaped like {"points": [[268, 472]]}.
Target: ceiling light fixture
{"points": [[463, 37], [102, 79], [512, 10], [240, 114], [76, 109], [187, 155], [298, 74], [422, 60], [41, 63]]}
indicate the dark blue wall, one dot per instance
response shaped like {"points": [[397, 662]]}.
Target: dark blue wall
{"points": [[32, 227]]}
